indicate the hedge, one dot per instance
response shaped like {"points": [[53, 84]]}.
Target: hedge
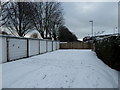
{"points": [[108, 50]]}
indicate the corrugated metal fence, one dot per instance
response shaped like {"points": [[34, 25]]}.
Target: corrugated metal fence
{"points": [[13, 48]]}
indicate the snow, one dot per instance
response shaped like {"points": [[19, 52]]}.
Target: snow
{"points": [[28, 35], [60, 69], [0, 76]]}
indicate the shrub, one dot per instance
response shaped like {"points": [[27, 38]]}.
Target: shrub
{"points": [[108, 50]]}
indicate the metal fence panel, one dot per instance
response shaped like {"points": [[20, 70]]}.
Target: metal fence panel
{"points": [[54, 45], [3, 53], [58, 45], [12, 48], [42, 46], [50, 46], [17, 48], [33, 47]]}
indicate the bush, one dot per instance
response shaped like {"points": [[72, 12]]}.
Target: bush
{"points": [[108, 50]]}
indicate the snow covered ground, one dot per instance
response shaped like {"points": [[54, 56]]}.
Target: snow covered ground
{"points": [[60, 69], [0, 76]]}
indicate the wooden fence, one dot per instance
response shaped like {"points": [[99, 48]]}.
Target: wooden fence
{"points": [[13, 48], [75, 45]]}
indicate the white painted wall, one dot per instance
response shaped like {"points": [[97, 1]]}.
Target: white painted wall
{"points": [[42, 46], [17, 48], [49, 46], [3, 54], [33, 47]]}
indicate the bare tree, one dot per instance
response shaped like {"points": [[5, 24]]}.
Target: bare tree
{"points": [[18, 17], [39, 19], [22, 17], [48, 19], [53, 18]]}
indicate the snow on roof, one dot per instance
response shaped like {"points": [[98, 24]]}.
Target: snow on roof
{"points": [[33, 32]]}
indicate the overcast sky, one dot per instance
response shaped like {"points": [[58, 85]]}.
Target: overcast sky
{"points": [[78, 14]]}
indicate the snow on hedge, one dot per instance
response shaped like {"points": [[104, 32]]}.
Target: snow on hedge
{"points": [[60, 69]]}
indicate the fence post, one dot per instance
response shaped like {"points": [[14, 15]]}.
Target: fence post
{"points": [[46, 46], [52, 45], [27, 47], [7, 49], [39, 46], [59, 44], [56, 45]]}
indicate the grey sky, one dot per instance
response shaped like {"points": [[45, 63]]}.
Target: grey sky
{"points": [[78, 14]]}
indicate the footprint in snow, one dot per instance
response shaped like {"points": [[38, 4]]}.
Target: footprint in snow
{"points": [[44, 77], [69, 86], [98, 78], [66, 81], [72, 81], [66, 76], [87, 76]]}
